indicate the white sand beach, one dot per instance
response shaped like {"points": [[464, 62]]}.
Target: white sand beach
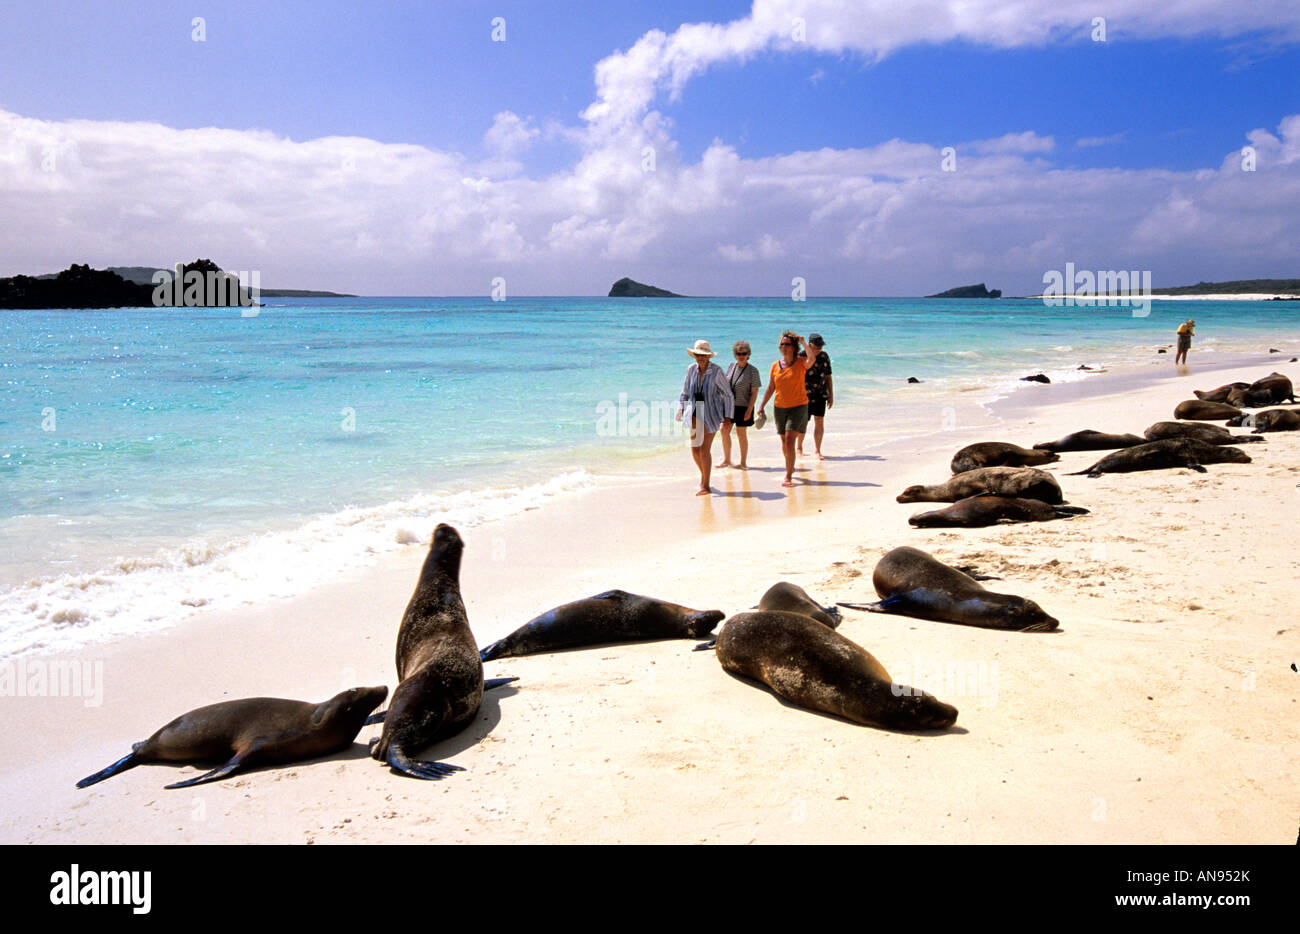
{"points": [[1164, 711]]}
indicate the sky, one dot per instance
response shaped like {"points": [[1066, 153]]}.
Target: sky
{"points": [[867, 147]]}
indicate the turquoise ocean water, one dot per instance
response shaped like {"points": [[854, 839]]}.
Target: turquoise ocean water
{"points": [[157, 460]]}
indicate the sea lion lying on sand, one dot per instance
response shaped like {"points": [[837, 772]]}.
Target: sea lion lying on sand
{"points": [[792, 598], [817, 668], [984, 509], [1268, 420], [1205, 411], [1210, 434], [913, 583], [1027, 482], [998, 454], [1220, 394], [1089, 440], [1270, 390], [1171, 452]]}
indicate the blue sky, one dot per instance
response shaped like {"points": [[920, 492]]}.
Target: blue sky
{"points": [[1166, 98]]}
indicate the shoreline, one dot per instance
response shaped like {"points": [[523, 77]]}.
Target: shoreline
{"points": [[654, 743]]}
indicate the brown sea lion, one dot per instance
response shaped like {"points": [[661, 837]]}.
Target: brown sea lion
{"points": [[1273, 389], [1205, 411], [817, 668], [1028, 482], [913, 583], [251, 732], [437, 661], [1268, 420], [612, 616], [1210, 434], [983, 510], [792, 598], [999, 454], [1159, 455], [1220, 394], [1089, 440]]}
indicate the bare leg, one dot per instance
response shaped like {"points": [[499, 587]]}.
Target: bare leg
{"points": [[742, 436], [819, 429], [787, 445], [799, 443], [726, 443], [705, 460]]}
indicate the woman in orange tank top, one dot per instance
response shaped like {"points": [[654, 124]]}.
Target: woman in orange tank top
{"points": [[786, 380]]}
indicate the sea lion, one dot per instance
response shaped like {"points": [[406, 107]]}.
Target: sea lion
{"points": [[441, 677], [612, 616], [1089, 440], [1210, 434], [817, 668], [1268, 420], [1171, 452], [1036, 378], [913, 583], [978, 511], [794, 599], [1205, 411], [1220, 394], [998, 454], [251, 732], [1028, 482], [1273, 389]]}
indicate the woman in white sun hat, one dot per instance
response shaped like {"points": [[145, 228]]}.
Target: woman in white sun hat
{"points": [[705, 401]]}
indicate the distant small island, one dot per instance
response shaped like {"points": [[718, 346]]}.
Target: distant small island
{"points": [[1234, 287], [969, 291], [630, 288]]}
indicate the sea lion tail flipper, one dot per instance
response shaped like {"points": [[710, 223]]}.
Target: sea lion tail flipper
{"points": [[429, 771], [705, 646], [1197, 467], [375, 718], [970, 571], [1080, 473], [489, 652], [220, 772], [878, 607], [129, 761], [491, 684], [1070, 511]]}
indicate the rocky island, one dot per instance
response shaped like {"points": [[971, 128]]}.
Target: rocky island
{"points": [[969, 291], [630, 288]]}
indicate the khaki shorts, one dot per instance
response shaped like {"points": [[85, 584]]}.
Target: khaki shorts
{"points": [[795, 419]]}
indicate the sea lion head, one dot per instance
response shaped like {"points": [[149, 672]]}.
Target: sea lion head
{"points": [[1024, 615], [354, 704], [916, 710], [702, 623], [913, 494], [1234, 455]]}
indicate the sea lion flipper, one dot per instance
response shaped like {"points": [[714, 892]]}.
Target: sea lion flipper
{"points": [[1197, 467], [418, 768], [375, 718], [490, 684], [705, 646], [220, 772], [970, 571], [869, 607], [489, 652], [129, 761]]}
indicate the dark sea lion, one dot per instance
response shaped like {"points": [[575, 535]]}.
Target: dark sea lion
{"points": [[817, 668], [1268, 420], [1027, 482], [978, 511], [794, 599], [1089, 440], [1273, 389], [1159, 455], [441, 677], [1036, 378], [1220, 394], [998, 454], [913, 583], [252, 732], [612, 616], [1205, 411], [1210, 434]]}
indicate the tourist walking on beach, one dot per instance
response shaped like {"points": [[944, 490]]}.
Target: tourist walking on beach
{"points": [[1184, 340], [821, 394], [745, 383], [786, 379], [705, 401]]}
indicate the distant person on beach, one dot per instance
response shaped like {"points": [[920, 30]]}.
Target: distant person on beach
{"points": [[705, 401], [786, 379], [821, 394], [745, 383], [1184, 340]]}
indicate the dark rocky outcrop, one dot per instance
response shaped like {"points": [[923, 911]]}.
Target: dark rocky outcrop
{"points": [[75, 287], [969, 291], [630, 288]]}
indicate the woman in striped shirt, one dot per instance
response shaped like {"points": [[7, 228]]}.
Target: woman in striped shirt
{"points": [[705, 401]]}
